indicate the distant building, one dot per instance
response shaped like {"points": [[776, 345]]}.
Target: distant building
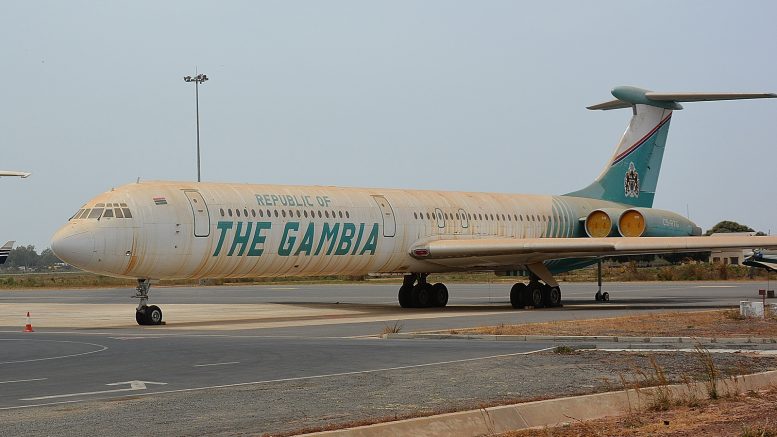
{"points": [[733, 256]]}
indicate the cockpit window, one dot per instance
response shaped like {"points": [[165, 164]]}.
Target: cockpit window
{"points": [[96, 212], [84, 214], [118, 213], [126, 211], [75, 216], [108, 213], [100, 204]]}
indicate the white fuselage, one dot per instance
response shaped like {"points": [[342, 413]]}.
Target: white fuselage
{"points": [[213, 230]]}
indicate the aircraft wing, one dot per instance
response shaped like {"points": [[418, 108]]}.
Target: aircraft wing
{"points": [[764, 259], [5, 250], [22, 174], [520, 251]]}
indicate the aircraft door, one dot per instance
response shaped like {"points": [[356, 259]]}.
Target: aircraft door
{"points": [[200, 211], [389, 221], [464, 218]]}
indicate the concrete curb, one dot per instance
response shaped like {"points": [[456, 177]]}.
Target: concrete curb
{"points": [[587, 338], [552, 412]]}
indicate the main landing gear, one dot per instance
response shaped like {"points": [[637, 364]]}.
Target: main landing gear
{"points": [[417, 293], [144, 314], [535, 294]]}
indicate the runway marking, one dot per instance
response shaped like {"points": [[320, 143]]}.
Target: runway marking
{"points": [[57, 357], [23, 380], [716, 286], [134, 338], [713, 351], [270, 381], [284, 288], [217, 364], [134, 386]]}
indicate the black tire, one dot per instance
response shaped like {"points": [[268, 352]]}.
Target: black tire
{"points": [[554, 297], [153, 315], [518, 295], [422, 296], [605, 297], [598, 296], [439, 295], [406, 296], [534, 295], [140, 316], [545, 295]]}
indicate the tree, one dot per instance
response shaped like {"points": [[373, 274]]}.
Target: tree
{"points": [[23, 256], [729, 226]]}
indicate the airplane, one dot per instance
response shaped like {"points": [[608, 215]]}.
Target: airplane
{"points": [[187, 230], [765, 259], [5, 251], [22, 174]]}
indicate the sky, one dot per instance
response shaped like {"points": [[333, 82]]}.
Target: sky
{"points": [[443, 95]]}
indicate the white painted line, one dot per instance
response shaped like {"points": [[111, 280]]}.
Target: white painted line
{"points": [[57, 357], [23, 380], [134, 385], [712, 351], [284, 288], [270, 381], [217, 364]]}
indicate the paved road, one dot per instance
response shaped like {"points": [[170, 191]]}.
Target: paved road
{"points": [[45, 373]]}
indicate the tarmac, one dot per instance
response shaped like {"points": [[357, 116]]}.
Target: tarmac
{"points": [[277, 354]]}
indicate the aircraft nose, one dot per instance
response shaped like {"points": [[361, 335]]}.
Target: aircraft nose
{"points": [[74, 245]]}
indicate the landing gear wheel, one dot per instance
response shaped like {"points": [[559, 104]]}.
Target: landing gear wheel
{"points": [[439, 295], [153, 315], [422, 296], [598, 296], [605, 297], [518, 295], [140, 316], [535, 295], [406, 296], [554, 297]]}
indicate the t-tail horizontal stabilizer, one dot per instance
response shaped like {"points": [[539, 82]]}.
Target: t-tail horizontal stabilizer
{"points": [[5, 251], [626, 96]]}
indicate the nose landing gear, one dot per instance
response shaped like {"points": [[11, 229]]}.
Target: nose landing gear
{"points": [[145, 314]]}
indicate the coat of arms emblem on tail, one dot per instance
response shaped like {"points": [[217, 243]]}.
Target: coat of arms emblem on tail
{"points": [[631, 182]]}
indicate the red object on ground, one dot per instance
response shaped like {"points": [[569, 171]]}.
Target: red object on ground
{"points": [[28, 326]]}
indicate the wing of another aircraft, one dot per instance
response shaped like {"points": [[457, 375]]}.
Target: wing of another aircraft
{"points": [[22, 174], [513, 251], [5, 250], [763, 259]]}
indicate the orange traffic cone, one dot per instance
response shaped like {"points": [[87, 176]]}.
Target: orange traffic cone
{"points": [[28, 326]]}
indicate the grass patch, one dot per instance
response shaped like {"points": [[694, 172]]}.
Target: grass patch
{"points": [[392, 329], [563, 350]]}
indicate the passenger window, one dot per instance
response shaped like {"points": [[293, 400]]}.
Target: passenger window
{"points": [[305, 213], [276, 213], [96, 213], [347, 215], [127, 213], [415, 215], [283, 213], [245, 212], [118, 213], [108, 213], [229, 211], [298, 214], [253, 213], [319, 214], [237, 212], [268, 214], [222, 212], [261, 213], [340, 213]]}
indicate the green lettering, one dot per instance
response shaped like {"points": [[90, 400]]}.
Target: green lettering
{"points": [[306, 244], [328, 234], [258, 239], [372, 241], [285, 249], [223, 226], [358, 239], [349, 230], [242, 240]]}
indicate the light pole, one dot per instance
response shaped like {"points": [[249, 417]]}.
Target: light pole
{"points": [[198, 79]]}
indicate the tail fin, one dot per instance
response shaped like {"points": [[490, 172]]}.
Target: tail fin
{"points": [[631, 175], [5, 250]]}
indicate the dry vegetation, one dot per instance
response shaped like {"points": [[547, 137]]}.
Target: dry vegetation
{"points": [[749, 415], [720, 323]]}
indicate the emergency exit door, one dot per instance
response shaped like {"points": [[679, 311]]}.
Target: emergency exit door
{"points": [[200, 211], [389, 221]]}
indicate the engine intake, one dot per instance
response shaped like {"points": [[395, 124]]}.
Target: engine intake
{"points": [[602, 222]]}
